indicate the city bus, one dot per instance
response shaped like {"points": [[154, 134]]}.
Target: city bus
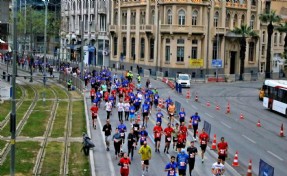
{"points": [[275, 95]]}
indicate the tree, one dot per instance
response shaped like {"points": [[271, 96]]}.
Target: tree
{"points": [[270, 18], [283, 28], [244, 31]]}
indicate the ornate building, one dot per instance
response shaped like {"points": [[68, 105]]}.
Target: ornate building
{"points": [[94, 32], [187, 35]]}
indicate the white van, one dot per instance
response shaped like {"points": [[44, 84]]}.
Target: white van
{"points": [[183, 79]]}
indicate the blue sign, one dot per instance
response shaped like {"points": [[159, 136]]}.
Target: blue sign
{"points": [[207, 127], [216, 63], [265, 169]]}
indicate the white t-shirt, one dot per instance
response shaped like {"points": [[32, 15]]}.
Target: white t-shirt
{"points": [[120, 107], [108, 106], [127, 107], [140, 96], [219, 167]]}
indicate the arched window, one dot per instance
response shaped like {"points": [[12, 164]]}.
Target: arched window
{"points": [[215, 19], [253, 2], [151, 49], [133, 47], [263, 36], [227, 20], [275, 38], [142, 47], [242, 20], [79, 6], [235, 20], [124, 45], [252, 21], [181, 17], [87, 4], [116, 18], [194, 18], [152, 20], [169, 17], [74, 5]]}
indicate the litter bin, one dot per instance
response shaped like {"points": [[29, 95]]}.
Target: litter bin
{"points": [[4, 75]]}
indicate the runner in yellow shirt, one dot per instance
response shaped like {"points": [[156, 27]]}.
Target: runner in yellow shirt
{"points": [[145, 152]]}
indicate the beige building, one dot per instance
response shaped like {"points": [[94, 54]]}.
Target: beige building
{"points": [[187, 35]]}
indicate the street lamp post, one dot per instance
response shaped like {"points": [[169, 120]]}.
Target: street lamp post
{"points": [[45, 40], [208, 29]]}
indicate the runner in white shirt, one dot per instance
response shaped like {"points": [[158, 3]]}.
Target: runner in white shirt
{"points": [[127, 110], [217, 168], [108, 106], [120, 109]]}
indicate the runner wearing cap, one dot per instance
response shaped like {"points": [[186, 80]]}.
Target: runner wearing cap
{"points": [[145, 152], [167, 132], [182, 160], [192, 151], [157, 130]]}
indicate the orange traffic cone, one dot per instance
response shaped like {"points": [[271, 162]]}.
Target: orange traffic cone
{"points": [[196, 98], [281, 131], [258, 123], [235, 161], [189, 124], [228, 108], [208, 104], [213, 146], [188, 94], [249, 171], [217, 107], [241, 116]]}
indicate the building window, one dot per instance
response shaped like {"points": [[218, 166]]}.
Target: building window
{"points": [[275, 38], [227, 21], [133, 18], [86, 22], [87, 4], [124, 46], [169, 17], [252, 20], [79, 5], [194, 52], [251, 52], [133, 47], [124, 18], [263, 50], [235, 21], [180, 50], [181, 17], [194, 18], [253, 2], [92, 3], [263, 37], [116, 18], [142, 17], [74, 5], [216, 18], [152, 20], [167, 53], [102, 22], [242, 20], [151, 45], [142, 47], [115, 46], [280, 38], [214, 49]]}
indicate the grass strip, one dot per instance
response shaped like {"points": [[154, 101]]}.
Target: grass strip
{"points": [[37, 122], [19, 116], [75, 95], [52, 161], [45, 92], [26, 154], [81, 167], [60, 92], [18, 92], [5, 109], [2, 144], [29, 92], [79, 121], [60, 120]]}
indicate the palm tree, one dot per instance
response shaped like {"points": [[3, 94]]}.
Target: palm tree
{"points": [[270, 18], [283, 28], [244, 31]]}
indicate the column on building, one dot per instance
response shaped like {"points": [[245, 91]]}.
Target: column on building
{"points": [[119, 32], [138, 37], [128, 51]]}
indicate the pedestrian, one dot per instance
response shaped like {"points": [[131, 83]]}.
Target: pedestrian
{"points": [[203, 138], [120, 106], [171, 111], [127, 110], [109, 107], [172, 167], [167, 132], [94, 110], [180, 141], [217, 168], [195, 120], [125, 165], [192, 152], [157, 130], [107, 129], [159, 116], [175, 136], [122, 129], [136, 129], [117, 143], [132, 111], [145, 152], [69, 84], [92, 94], [131, 143], [182, 160], [143, 135], [222, 148], [181, 115]]}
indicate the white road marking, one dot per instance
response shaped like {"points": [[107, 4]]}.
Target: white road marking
{"points": [[209, 115], [249, 139], [276, 156], [226, 125], [194, 107]]}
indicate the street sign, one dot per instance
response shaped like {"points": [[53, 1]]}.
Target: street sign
{"points": [[216, 63], [265, 169]]}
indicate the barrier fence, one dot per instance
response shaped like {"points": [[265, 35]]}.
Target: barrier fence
{"points": [[77, 83]]}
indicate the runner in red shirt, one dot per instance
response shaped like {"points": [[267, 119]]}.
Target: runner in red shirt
{"points": [[125, 165], [222, 148], [180, 141], [106, 96], [167, 132], [92, 94], [203, 139], [184, 131], [127, 98], [157, 130], [94, 110]]}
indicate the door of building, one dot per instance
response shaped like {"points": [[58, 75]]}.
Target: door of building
{"points": [[232, 62]]}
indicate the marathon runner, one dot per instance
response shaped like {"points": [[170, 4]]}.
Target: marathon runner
{"points": [[167, 132], [157, 130], [203, 138], [192, 152], [217, 168], [125, 165], [172, 167], [182, 160], [145, 152], [94, 110], [222, 148], [195, 120]]}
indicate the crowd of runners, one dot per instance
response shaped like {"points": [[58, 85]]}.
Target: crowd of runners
{"points": [[133, 104]]}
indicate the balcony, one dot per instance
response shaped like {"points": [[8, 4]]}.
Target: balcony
{"points": [[236, 5], [102, 10], [182, 1], [219, 30], [124, 28], [113, 29], [147, 28], [166, 28], [133, 28]]}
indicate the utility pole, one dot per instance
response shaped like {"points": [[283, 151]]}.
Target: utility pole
{"points": [[13, 102], [82, 49], [45, 40], [208, 30]]}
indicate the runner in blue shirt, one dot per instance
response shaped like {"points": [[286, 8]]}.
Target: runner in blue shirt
{"points": [[122, 129], [171, 168], [143, 135], [98, 98], [132, 112], [137, 103], [195, 120], [155, 99], [182, 160], [168, 101], [181, 115], [159, 116], [145, 112]]}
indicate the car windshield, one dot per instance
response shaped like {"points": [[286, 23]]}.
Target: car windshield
{"points": [[183, 77]]}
